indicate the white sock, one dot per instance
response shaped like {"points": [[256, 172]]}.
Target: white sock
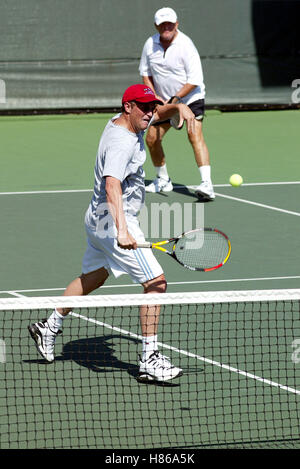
{"points": [[205, 173], [149, 345], [162, 172], [55, 321]]}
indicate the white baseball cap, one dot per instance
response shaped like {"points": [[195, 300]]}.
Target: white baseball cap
{"points": [[165, 15]]}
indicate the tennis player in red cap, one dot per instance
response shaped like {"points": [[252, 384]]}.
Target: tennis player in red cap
{"points": [[113, 229]]}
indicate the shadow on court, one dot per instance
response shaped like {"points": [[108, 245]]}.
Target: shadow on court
{"points": [[98, 355], [180, 189]]}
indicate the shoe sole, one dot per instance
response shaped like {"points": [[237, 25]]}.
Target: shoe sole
{"points": [[157, 192], [148, 378], [204, 196], [35, 336]]}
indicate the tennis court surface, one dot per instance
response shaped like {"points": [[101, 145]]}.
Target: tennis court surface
{"points": [[235, 332]]}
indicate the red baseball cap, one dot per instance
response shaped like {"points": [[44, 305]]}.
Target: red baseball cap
{"points": [[140, 93]]}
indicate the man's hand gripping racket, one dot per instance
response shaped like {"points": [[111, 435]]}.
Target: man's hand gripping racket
{"points": [[203, 249]]}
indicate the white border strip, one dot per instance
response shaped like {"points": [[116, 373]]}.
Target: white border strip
{"points": [[8, 304]]}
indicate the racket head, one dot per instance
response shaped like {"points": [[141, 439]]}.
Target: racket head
{"points": [[203, 249], [174, 121]]}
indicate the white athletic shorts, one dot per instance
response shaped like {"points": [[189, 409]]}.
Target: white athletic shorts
{"points": [[103, 251]]}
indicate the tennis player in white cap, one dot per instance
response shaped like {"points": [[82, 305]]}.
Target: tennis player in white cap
{"points": [[171, 66]]}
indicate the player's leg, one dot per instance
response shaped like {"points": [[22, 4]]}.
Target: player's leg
{"points": [[196, 138], [149, 315], [203, 161], [153, 365], [84, 285], [154, 138], [45, 332], [199, 146]]}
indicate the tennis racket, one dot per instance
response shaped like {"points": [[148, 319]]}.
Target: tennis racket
{"points": [[203, 249], [175, 119]]}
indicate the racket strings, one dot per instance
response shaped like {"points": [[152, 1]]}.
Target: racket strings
{"points": [[202, 250]]}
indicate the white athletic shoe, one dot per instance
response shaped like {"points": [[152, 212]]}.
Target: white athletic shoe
{"points": [[44, 339], [157, 367], [205, 191], [160, 185]]}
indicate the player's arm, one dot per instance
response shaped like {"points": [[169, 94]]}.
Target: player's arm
{"points": [[115, 203], [168, 110], [148, 81], [185, 90]]}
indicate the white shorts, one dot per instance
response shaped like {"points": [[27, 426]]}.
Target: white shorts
{"points": [[101, 251]]}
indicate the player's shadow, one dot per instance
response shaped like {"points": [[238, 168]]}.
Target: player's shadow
{"points": [[98, 355], [182, 190]]}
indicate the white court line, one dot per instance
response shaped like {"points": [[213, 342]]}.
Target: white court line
{"points": [[192, 355], [14, 293], [71, 191], [297, 214], [251, 184], [67, 191], [132, 285]]}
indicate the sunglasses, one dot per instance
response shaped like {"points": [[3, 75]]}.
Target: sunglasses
{"points": [[145, 107]]}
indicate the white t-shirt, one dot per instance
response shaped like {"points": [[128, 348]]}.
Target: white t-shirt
{"points": [[121, 154], [173, 68]]}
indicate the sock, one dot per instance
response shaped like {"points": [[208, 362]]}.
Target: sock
{"points": [[162, 172], [149, 345], [55, 321], [205, 173]]}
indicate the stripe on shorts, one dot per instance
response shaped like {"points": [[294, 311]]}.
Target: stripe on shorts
{"points": [[143, 263]]}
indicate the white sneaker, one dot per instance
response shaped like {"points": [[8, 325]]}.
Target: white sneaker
{"points": [[44, 338], [157, 367], [205, 191], [160, 185]]}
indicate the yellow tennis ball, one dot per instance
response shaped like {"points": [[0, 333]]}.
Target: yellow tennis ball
{"points": [[236, 180]]}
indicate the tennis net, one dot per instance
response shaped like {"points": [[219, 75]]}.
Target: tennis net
{"points": [[239, 351]]}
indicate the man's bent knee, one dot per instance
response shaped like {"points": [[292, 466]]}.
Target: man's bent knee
{"points": [[156, 285], [93, 280], [155, 134], [197, 135], [153, 139]]}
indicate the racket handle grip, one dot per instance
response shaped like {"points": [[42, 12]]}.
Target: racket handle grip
{"points": [[144, 245]]}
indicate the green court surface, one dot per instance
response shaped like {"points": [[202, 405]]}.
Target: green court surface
{"points": [[46, 182]]}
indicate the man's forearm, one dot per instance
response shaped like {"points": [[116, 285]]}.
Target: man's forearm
{"points": [[148, 81], [115, 203], [185, 90]]}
